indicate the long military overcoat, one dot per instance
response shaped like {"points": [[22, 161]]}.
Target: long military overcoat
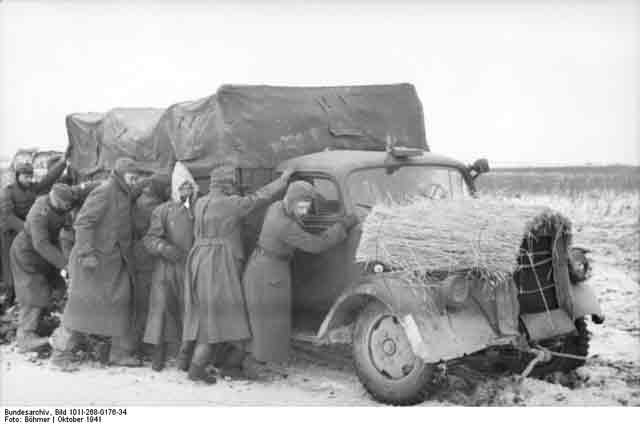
{"points": [[143, 208], [171, 225], [100, 299], [214, 303], [267, 279]]}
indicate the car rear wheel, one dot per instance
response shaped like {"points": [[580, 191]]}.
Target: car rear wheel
{"points": [[384, 360]]}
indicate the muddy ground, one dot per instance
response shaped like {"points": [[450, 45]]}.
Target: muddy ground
{"points": [[320, 376]]}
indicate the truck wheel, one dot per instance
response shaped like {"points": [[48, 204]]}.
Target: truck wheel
{"points": [[574, 344], [384, 360]]}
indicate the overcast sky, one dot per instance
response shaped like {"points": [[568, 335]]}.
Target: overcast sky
{"points": [[517, 82]]}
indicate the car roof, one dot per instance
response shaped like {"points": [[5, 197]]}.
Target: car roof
{"points": [[344, 161]]}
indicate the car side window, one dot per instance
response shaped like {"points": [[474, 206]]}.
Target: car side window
{"points": [[327, 202]]}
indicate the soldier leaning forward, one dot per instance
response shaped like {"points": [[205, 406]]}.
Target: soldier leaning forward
{"points": [[36, 261], [101, 270], [214, 303], [168, 240], [16, 200], [267, 278]]}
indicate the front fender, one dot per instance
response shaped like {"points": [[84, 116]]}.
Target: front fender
{"points": [[435, 331]]}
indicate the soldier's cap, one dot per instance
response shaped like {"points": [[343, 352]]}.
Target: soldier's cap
{"points": [[62, 192], [24, 168], [159, 183], [300, 190]]}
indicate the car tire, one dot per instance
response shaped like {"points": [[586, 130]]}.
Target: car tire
{"points": [[409, 387]]}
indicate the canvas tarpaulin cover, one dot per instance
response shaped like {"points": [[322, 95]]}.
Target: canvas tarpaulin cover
{"points": [[99, 139], [251, 126]]}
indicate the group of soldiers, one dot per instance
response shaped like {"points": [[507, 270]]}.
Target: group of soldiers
{"points": [[150, 264]]}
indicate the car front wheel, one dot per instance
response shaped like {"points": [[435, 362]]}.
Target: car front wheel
{"points": [[384, 360]]}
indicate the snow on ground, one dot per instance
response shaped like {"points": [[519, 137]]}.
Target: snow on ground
{"points": [[326, 378]]}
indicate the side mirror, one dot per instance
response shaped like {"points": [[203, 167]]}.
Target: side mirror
{"points": [[480, 166]]}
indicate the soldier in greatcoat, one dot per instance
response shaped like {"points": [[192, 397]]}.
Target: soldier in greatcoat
{"points": [[102, 272], [214, 303], [168, 241], [267, 278]]}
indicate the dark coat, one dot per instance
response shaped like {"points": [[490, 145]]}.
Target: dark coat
{"points": [[214, 304], [267, 279], [36, 257], [100, 299], [15, 203], [142, 259], [171, 225]]}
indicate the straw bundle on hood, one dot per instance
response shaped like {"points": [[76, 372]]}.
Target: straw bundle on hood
{"points": [[451, 235]]}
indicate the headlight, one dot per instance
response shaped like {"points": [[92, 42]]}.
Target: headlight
{"points": [[376, 267]]}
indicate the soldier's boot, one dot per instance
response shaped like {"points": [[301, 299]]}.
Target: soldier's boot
{"points": [[233, 363], [198, 372], [197, 369], [158, 357], [252, 369], [184, 355], [63, 360], [125, 361], [28, 341], [121, 354]]}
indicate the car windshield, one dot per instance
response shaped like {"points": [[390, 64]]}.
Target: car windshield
{"points": [[401, 184]]}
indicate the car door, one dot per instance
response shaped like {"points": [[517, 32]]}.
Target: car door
{"points": [[318, 279]]}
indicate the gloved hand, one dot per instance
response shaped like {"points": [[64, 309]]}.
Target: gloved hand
{"points": [[171, 253], [286, 174], [350, 221], [89, 261]]}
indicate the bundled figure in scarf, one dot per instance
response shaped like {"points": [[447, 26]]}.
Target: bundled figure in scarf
{"points": [[15, 202], [37, 260], [168, 240], [267, 279], [155, 191], [101, 291], [214, 304]]}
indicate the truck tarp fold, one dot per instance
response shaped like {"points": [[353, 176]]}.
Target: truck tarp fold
{"points": [[99, 139], [251, 126]]}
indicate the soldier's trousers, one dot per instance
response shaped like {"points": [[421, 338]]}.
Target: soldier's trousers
{"points": [[28, 317]]}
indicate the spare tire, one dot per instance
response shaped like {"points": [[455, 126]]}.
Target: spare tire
{"points": [[384, 360]]}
